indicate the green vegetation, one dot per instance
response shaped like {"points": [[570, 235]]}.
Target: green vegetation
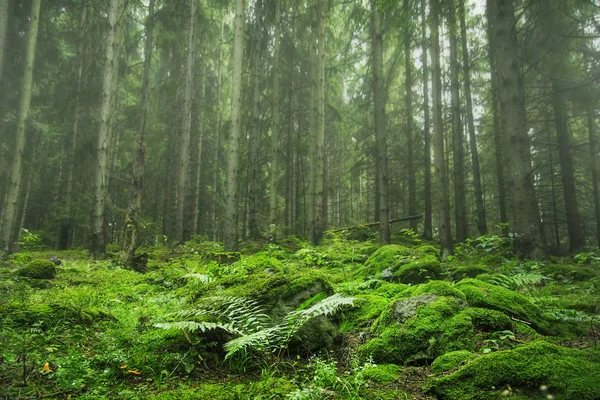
{"points": [[302, 322]]}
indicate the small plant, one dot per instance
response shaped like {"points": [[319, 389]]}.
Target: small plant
{"points": [[29, 240]]}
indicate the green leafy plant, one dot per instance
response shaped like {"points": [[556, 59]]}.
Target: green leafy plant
{"points": [[29, 240]]}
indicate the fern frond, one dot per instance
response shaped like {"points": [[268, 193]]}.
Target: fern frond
{"points": [[257, 341], [202, 278], [247, 314], [192, 326]]}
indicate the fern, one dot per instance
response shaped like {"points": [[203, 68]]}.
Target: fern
{"points": [[202, 278], [192, 326]]}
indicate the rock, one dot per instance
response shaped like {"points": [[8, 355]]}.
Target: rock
{"points": [[385, 257], [39, 269], [386, 274], [55, 260], [451, 360], [269, 271]]}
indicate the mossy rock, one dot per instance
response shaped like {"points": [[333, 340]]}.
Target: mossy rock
{"points": [[488, 320], [567, 272], [385, 394], [436, 328], [451, 360], [382, 374], [470, 271], [419, 271], [427, 249], [223, 258], [568, 374], [385, 257], [486, 295], [361, 233], [439, 288], [389, 289], [368, 308], [39, 269]]}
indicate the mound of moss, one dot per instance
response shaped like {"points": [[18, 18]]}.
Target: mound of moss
{"points": [[439, 288], [486, 295], [567, 374], [39, 269], [419, 271], [470, 271], [451, 360], [567, 272], [368, 308], [488, 320], [385, 257]]}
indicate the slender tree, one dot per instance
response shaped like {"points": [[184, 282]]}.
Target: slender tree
{"points": [[481, 217], [230, 242], [441, 174], [131, 225], [14, 187], [525, 216], [3, 29], [593, 142], [275, 118], [410, 148], [427, 220]]}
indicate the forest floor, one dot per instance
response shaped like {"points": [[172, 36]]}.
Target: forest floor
{"points": [[345, 320]]}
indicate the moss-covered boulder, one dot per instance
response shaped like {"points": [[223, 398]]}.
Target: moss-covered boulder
{"points": [[488, 320], [419, 271], [439, 288], [421, 328], [486, 295], [566, 373], [39, 269], [469, 271], [451, 360], [385, 257], [382, 374], [568, 272], [368, 308]]}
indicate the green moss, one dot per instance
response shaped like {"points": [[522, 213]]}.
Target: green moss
{"points": [[385, 257], [385, 394], [439, 288], [451, 360], [419, 271], [568, 374], [567, 272], [368, 308], [488, 320], [427, 249], [382, 374], [389, 289], [39, 269], [486, 295], [470, 271], [437, 327]]}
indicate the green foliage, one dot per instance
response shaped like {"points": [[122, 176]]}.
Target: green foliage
{"points": [[39, 269], [567, 373], [451, 360], [419, 271], [385, 257], [469, 271], [29, 240]]}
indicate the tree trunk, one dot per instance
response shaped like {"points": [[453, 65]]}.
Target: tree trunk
{"points": [[98, 237], [460, 201], [14, 187], [131, 225], [254, 142], [70, 143], [3, 29], [380, 126], [441, 174], [184, 142], [230, 242], [216, 180], [481, 218], [275, 119], [427, 220], [195, 204], [591, 125], [412, 179], [552, 185], [525, 216]]}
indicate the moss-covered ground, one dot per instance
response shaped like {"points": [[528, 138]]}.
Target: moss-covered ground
{"points": [[344, 320]]}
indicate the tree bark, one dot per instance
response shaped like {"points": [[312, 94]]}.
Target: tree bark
{"points": [[131, 225], [254, 142], [525, 216], [216, 180], [230, 242], [380, 126], [481, 217], [195, 204], [591, 125], [410, 159], [441, 174], [427, 220], [14, 187], [3, 30], [184, 142], [275, 119], [460, 201]]}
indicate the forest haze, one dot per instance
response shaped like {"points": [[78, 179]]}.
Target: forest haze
{"points": [[143, 121]]}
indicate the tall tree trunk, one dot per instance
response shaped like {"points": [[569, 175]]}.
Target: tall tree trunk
{"points": [[427, 220], [481, 218], [552, 185], [460, 201], [380, 126], [70, 143], [195, 204], [131, 225], [412, 179], [254, 142], [275, 119], [591, 125], [98, 237], [230, 242], [3, 29], [14, 187], [216, 180], [441, 175], [184, 142], [525, 216]]}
